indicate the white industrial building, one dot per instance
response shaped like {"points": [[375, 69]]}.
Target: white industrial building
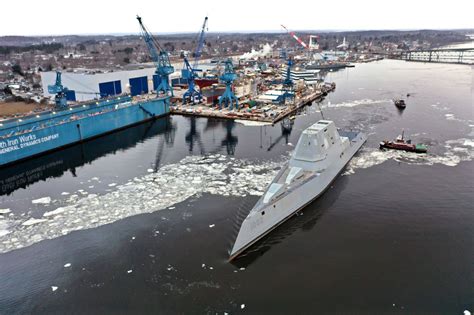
{"points": [[89, 85]]}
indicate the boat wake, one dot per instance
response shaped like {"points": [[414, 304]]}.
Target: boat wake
{"points": [[356, 103], [171, 184], [457, 151]]}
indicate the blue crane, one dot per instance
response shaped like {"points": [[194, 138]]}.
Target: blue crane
{"points": [[189, 72], [60, 91], [200, 45], [229, 76], [161, 59], [288, 83]]}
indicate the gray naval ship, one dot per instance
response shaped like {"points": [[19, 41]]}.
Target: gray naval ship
{"points": [[321, 154]]}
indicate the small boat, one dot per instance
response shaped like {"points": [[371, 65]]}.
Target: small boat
{"points": [[401, 144], [400, 103]]}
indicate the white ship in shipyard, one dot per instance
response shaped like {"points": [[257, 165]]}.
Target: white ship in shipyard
{"points": [[321, 154]]}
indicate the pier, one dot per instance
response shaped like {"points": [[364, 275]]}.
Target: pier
{"points": [[270, 113], [448, 55]]}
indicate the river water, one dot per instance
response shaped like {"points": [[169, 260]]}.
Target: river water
{"points": [[141, 221]]}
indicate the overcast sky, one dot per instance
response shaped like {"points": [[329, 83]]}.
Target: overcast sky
{"points": [[52, 17]]}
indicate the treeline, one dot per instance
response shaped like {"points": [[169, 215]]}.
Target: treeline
{"points": [[47, 48]]}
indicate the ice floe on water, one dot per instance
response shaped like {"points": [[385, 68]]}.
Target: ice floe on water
{"points": [[33, 221], [356, 103], [44, 200], [54, 212], [252, 123], [453, 118], [171, 184], [4, 211], [3, 228]]}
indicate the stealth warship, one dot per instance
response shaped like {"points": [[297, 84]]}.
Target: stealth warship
{"points": [[321, 154]]}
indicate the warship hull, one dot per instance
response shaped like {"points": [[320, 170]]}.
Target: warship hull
{"points": [[265, 217]]}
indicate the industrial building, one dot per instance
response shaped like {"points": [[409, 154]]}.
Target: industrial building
{"points": [[88, 85], [85, 86]]}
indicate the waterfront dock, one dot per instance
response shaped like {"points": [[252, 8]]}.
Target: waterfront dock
{"points": [[270, 113]]}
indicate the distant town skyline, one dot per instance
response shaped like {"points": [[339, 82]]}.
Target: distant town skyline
{"points": [[52, 17]]}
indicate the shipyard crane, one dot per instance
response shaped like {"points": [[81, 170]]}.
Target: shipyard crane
{"points": [[229, 76], [288, 89], [161, 59], [200, 45], [60, 99], [189, 72], [61, 91], [295, 37]]}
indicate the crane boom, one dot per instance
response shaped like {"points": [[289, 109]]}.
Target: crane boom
{"points": [[200, 45], [295, 37], [161, 59], [189, 72]]}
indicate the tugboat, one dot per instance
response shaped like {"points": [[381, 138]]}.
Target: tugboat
{"points": [[400, 103], [401, 144]]}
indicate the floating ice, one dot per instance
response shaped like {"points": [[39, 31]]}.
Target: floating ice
{"points": [[150, 170], [252, 123], [54, 212], [44, 200], [3, 228], [67, 265], [452, 117], [64, 193], [113, 185], [356, 103], [217, 174], [129, 271], [5, 211], [53, 288], [466, 312], [212, 225], [242, 306], [33, 221]]}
